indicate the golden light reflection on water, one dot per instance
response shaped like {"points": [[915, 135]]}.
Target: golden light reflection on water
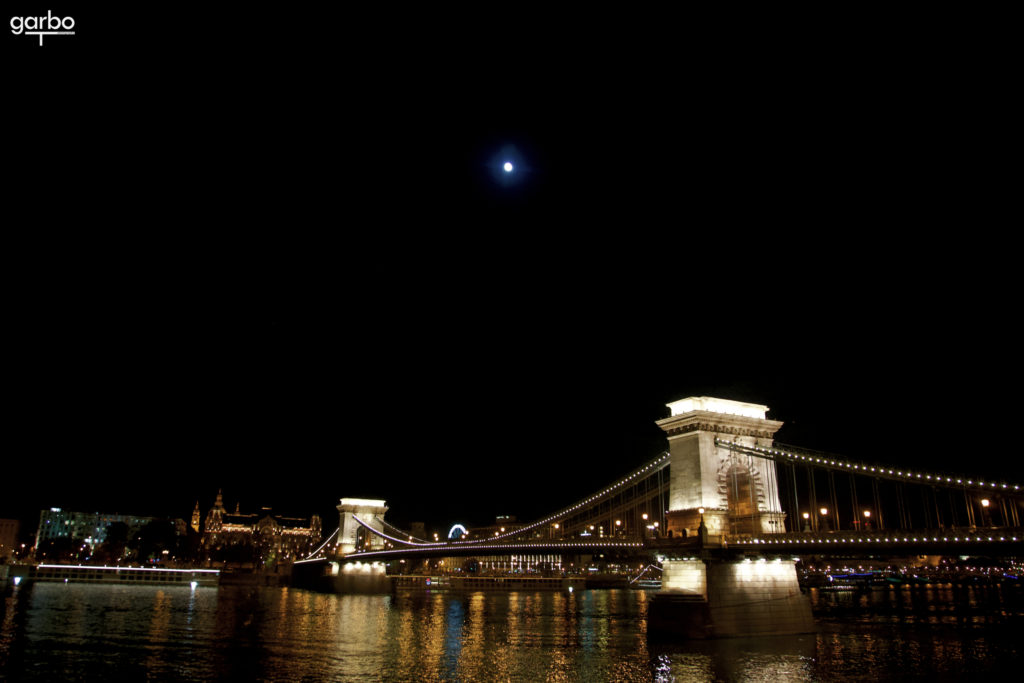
{"points": [[236, 633]]}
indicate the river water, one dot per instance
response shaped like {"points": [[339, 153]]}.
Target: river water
{"points": [[82, 632]]}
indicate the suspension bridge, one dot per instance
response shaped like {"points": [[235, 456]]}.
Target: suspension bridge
{"points": [[724, 491]]}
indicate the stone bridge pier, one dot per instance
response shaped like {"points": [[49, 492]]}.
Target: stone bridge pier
{"points": [[715, 493]]}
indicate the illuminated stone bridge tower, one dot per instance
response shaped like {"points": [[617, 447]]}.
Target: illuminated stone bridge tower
{"points": [[351, 534], [724, 595], [739, 494]]}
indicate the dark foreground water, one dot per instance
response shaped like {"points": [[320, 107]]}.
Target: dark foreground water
{"points": [[69, 632]]}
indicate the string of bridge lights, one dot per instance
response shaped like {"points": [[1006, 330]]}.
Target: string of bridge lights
{"points": [[660, 460], [392, 538], [324, 545], [394, 529], [508, 546], [891, 539], [866, 468], [663, 459]]}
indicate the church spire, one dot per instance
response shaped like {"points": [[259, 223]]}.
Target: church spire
{"points": [[215, 517]]}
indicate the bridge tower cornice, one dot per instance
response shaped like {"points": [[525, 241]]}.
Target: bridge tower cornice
{"points": [[718, 423]]}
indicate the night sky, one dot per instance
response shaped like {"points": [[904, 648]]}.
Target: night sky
{"points": [[289, 269]]}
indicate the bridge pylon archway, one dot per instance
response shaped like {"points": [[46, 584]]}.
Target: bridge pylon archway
{"points": [[737, 494], [351, 535]]}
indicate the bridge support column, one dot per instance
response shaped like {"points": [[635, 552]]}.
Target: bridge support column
{"points": [[360, 577], [369, 511], [724, 598]]}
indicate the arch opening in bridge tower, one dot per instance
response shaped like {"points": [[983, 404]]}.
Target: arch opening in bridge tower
{"points": [[740, 499]]}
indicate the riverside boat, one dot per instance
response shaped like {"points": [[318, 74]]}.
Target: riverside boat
{"points": [[125, 575]]}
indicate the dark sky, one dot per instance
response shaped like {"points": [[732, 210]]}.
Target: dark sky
{"points": [[282, 266]]}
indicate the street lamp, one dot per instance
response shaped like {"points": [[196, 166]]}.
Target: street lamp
{"points": [[867, 519], [984, 512], [807, 521], [824, 513]]}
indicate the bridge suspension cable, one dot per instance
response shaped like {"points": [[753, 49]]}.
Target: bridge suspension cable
{"points": [[401, 532], [646, 469], [913, 498], [323, 545], [828, 461]]}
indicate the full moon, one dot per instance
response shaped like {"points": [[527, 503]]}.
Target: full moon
{"points": [[508, 167]]}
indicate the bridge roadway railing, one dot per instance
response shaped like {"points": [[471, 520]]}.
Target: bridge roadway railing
{"points": [[960, 541]]}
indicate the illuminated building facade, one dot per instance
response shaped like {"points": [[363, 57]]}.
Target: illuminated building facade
{"points": [[261, 539], [83, 527]]}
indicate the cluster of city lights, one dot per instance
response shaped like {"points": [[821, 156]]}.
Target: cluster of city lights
{"points": [[840, 464]]}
